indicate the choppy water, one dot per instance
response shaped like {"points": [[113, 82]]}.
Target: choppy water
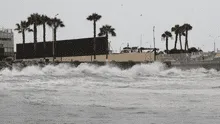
{"points": [[144, 94]]}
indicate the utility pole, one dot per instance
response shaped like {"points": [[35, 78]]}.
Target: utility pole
{"points": [[141, 41], [214, 38], [154, 43], [214, 47]]}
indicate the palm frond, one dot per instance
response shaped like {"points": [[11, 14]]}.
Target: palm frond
{"points": [[22, 26], [44, 19], [49, 22], [173, 29], [34, 18], [94, 17], [113, 34], [62, 25], [90, 18], [177, 26], [163, 35], [184, 34], [187, 26], [168, 34], [101, 34], [30, 30], [107, 29], [55, 23], [18, 27]]}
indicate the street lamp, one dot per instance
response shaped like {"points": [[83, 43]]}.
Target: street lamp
{"points": [[215, 38]]}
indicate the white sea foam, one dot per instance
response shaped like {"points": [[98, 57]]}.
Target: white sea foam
{"points": [[108, 94], [154, 69]]}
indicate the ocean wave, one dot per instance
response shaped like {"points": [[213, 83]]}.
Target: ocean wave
{"points": [[141, 70]]}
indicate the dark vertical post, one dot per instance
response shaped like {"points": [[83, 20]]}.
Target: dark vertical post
{"points": [[53, 45], [23, 36], [107, 47], [94, 42], [44, 38], [214, 46], [154, 43], [35, 40]]}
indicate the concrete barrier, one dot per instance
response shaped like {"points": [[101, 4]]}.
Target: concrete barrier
{"points": [[136, 57]]}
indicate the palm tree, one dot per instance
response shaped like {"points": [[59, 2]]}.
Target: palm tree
{"points": [[43, 21], [21, 28], [181, 33], [175, 29], [94, 17], [34, 19], [165, 36], [55, 23], [105, 31], [187, 27]]}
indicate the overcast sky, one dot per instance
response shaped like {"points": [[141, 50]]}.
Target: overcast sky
{"points": [[130, 18]]}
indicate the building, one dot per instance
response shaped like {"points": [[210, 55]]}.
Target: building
{"points": [[64, 48], [6, 43]]}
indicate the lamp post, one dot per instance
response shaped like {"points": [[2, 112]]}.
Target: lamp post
{"points": [[214, 39], [141, 38]]}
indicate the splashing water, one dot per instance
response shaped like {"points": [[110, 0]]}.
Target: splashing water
{"points": [[147, 93]]}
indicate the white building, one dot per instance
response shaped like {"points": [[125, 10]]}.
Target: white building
{"points": [[6, 43]]}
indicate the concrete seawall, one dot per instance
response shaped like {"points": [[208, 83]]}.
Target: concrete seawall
{"points": [[125, 57], [192, 65], [124, 61]]}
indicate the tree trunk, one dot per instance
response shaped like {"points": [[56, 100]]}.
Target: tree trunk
{"points": [[35, 40], [155, 54], [107, 52], [44, 39], [187, 45], [23, 37], [167, 45], [54, 43], [176, 41], [180, 38], [94, 42], [186, 40]]}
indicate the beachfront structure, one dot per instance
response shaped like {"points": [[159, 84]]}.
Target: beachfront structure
{"points": [[6, 43], [64, 48]]}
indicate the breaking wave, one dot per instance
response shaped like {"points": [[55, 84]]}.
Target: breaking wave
{"points": [[153, 69], [146, 89]]}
